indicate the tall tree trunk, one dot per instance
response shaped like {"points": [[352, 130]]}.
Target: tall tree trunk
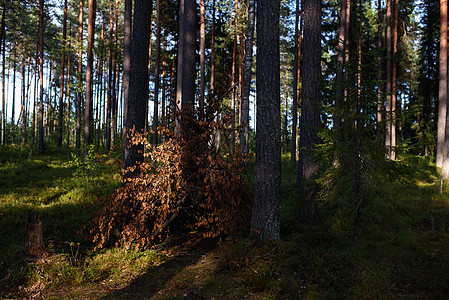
{"points": [[442, 94], [394, 83], [233, 91], [310, 112], [68, 92], [115, 85], [35, 102], [13, 117], [296, 68], [110, 79], [379, 70], [41, 76], [180, 64], [202, 55], [138, 84], [339, 95], [265, 221], [79, 98], [246, 87], [61, 87], [189, 53], [212, 53], [88, 113], [149, 70], [126, 57], [156, 73], [2, 48], [389, 90], [23, 101]]}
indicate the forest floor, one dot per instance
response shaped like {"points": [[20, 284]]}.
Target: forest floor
{"points": [[402, 248]]}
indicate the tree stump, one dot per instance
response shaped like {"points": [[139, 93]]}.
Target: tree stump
{"points": [[33, 239]]}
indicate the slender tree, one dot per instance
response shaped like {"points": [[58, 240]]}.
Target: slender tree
{"points": [[389, 89], [340, 58], [88, 113], [246, 86], [61, 87], [212, 52], [202, 54], [79, 98], [233, 74], [265, 221], [156, 73], [2, 48], [41, 76], [126, 55], [394, 89], [379, 70]]}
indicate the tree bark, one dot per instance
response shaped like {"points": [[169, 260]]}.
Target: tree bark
{"points": [[88, 113], [2, 48], [189, 53], [13, 123], [61, 86], [379, 71], [68, 93], [156, 73], [202, 55], [310, 112], [442, 92], [394, 82], [265, 221], [41, 77], [79, 98], [339, 95], [212, 53], [33, 235], [126, 57], [110, 80], [246, 86], [234, 91], [115, 79], [389, 90], [138, 84]]}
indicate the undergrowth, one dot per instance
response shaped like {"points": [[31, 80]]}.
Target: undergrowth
{"points": [[183, 185], [402, 250]]}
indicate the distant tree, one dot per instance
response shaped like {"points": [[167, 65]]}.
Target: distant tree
{"points": [[265, 221]]}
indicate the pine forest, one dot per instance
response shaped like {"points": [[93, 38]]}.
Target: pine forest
{"points": [[224, 149]]}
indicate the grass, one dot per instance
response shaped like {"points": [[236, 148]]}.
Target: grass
{"points": [[402, 250]]}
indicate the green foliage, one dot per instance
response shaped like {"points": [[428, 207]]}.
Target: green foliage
{"points": [[87, 167]]}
